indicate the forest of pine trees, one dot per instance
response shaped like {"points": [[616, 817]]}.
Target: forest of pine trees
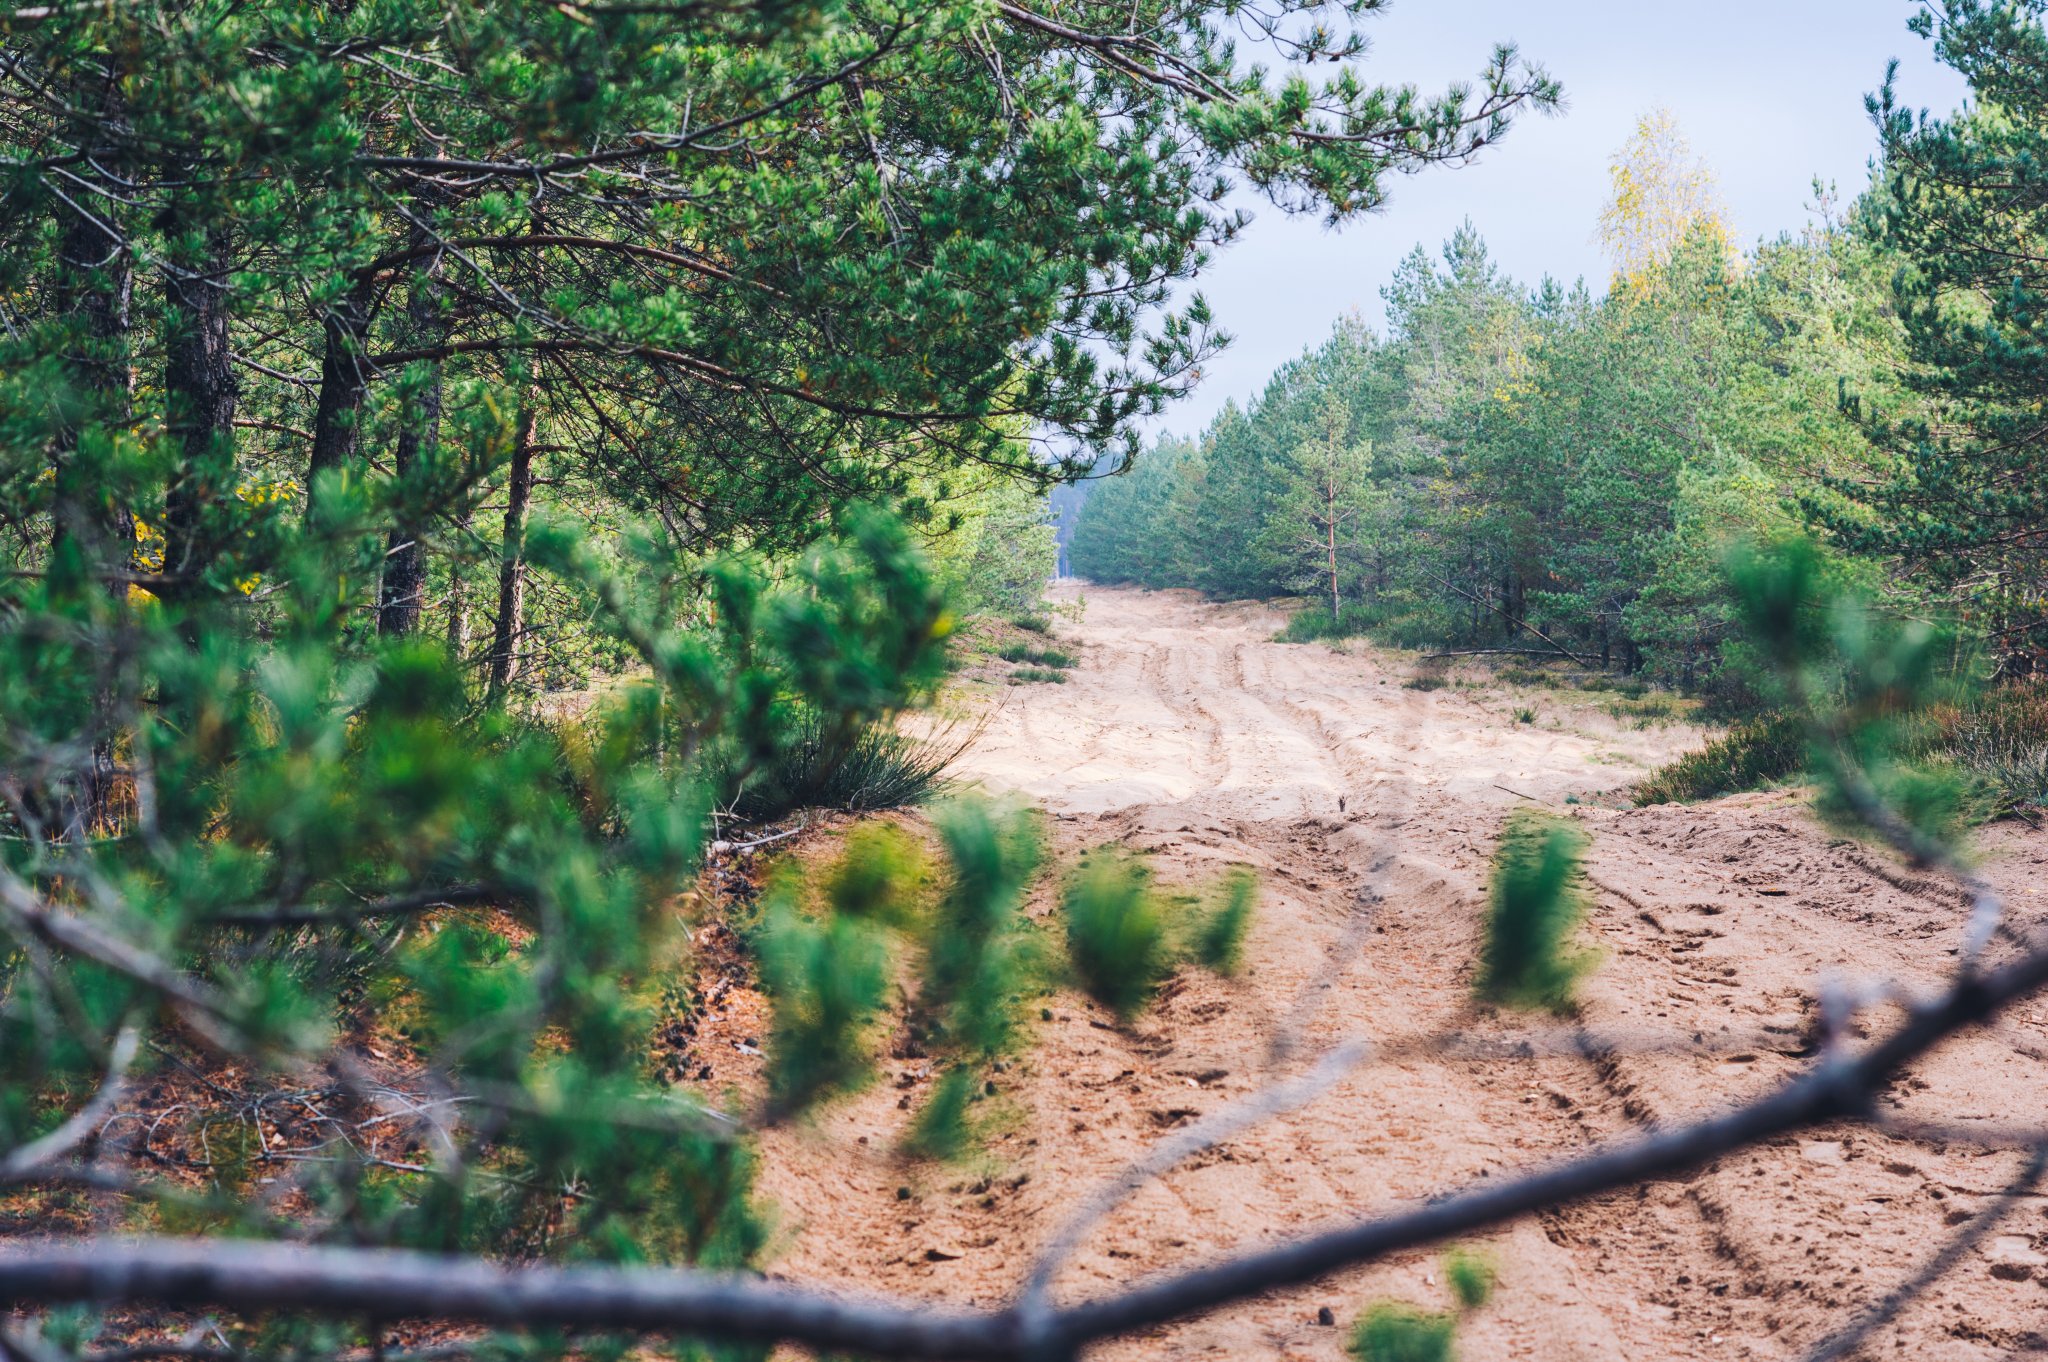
{"points": [[1561, 471], [467, 469]]}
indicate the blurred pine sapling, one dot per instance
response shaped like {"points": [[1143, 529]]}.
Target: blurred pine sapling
{"points": [[1530, 958], [1125, 936]]}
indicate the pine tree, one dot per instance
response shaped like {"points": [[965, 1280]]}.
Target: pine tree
{"points": [[1964, 499]]}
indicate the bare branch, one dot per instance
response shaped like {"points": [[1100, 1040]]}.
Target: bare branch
{"points": [[1183, 1144]]}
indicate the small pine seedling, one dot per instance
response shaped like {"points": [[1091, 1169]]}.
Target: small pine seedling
{"points": [[825, 981], [1392, 1332], [877, 875], [1219, 936], [1116, 935], [1528, 960], [1471, 1275]]}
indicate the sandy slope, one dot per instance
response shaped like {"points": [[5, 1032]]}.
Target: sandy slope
{"points": [[1186, 732]]}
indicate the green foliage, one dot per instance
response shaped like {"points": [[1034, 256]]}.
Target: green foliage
{"points": [[1471, 1276], [1391, 1332], [1958, 489], [1220, 931], [1751, 754], [1036, 624], [1116, 932], [1043, 657], [1537, 468], [2001, 744], [942, 1129], [1028, 675], [1313, 622], [818, 764], [371, 373], [1125, 936], [826, 979], [1529, 959], [877, 876], [979, 961]]}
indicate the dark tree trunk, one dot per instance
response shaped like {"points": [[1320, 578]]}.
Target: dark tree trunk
{"points": [[199, 397], [95, 285], [344, 379], [405, 557], [199, 403], [92, 529], [458, 587], [507, 637]]}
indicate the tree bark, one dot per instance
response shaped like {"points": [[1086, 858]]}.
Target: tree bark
{"points": [[506, 637], [92, 530], [458, 587], [1331, 507], [344, 380], [199, 396], [95, 285], [405, 557]]}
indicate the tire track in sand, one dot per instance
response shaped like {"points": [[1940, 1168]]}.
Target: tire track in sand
{"points": [[1187, 733]]}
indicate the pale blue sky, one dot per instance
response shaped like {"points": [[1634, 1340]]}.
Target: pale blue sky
{"points": [[1770, 93]]}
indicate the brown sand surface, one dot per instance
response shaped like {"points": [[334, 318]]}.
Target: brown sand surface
{"points": [[1187, 733]]}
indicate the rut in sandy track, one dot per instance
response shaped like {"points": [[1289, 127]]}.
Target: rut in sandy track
{"points": [[1187, 733]]}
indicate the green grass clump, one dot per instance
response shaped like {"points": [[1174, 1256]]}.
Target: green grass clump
{"points": [[1391, 1332], [855, 769], [1424, 681], [1529, 959], [2000, 744], [877, 875], [1027, 675], [1525, 716], [1752, 754], [979, 961], [1516, 675], [1036, 624], [826, 980], [1313, 622], [1643, 709], [1043, 657]]}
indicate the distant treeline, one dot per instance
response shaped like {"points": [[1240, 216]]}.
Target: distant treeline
{"points": [[1508, 467]]}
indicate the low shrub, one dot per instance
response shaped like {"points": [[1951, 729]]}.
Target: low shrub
{"points": [[1036, 624], [1751, 754], [1030, 674], [2000, 744]]}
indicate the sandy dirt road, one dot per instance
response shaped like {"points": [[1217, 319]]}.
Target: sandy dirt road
{"points": [[1187, 733]]}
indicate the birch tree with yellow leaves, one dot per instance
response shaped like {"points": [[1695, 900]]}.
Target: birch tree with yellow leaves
{"points": [[1662, 193]]}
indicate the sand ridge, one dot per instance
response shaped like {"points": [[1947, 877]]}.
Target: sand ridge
{"points": [[1187, 733]]}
